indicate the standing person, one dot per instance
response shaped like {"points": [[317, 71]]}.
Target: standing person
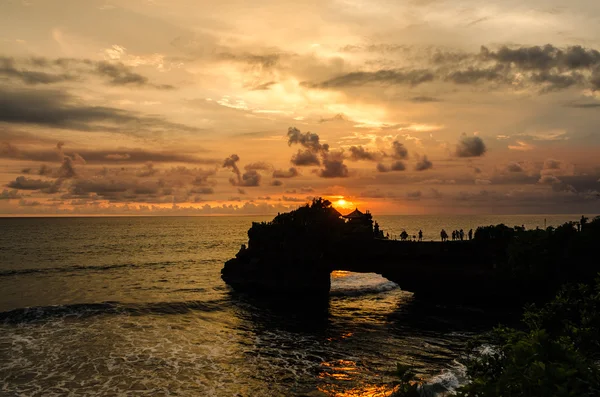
{"points": [[462, 235], [471, 234], [420, 235]]}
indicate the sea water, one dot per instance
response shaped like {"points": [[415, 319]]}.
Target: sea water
{"points": [[136, 306]]}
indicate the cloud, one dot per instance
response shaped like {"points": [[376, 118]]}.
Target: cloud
{"points": [[305, 158], [24, 183], [290, 173], [470, 146], [333, 166], [551, 164], [400, 151], [544, 57], [57, 109], [100, 156], [9, 195], [395, 166], [8, 68], [386, 77], [308, 140], [424, 99], [416, 195], [514, 167], [360, 153], [276, 182], [259, 166], [249, 178], [474, 75], [46, 71], [423, 164]]}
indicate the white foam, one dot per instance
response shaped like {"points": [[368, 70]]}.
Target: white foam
{"points": [[354, 284]]}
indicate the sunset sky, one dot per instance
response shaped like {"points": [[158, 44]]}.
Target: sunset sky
{"points": [[193, 107]]}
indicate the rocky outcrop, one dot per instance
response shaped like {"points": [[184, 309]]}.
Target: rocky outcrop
{"points": [[276, 273]]}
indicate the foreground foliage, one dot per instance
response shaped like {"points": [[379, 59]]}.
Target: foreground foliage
{"points": [[555, 354]]}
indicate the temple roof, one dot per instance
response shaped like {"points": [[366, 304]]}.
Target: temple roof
{"points": [[354, 215]]}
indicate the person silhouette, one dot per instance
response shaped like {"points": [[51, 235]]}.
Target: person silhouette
{"points": [[583, 221], [471, 234], [461, 233], [420, 235]]}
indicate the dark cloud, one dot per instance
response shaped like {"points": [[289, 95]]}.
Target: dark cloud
{"points": [[9, 69], [292, 199], [305, 158], [399, 150], [337, 117], [360, 153], [514, 167], [231, 163], [333, 166], [51, 71], [423, 164], [470, 146], [290, 173], [9, 195], [57, 109], [263, 60], [551, 164], [259, 166], [416, 195], [24, 183], [544, 57], [202, 190], [387, 77], [276, 182], [395, 166], [132, 156], [474, 75], [424, 99], [249, 178], [119, 74], [29, 203], [308, 140]]}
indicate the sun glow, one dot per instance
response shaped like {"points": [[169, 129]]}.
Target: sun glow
{"points": [[343, 204]]}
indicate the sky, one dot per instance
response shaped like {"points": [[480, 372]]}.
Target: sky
{"points": [[194, 107]]}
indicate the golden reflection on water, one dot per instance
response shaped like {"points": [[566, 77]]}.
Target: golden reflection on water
{"points": [[361, 391], [346, 370]]}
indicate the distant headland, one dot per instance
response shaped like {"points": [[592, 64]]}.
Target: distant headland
{"points": [[293, 255]]}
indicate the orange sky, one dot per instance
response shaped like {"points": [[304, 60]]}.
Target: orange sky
{"points": [[188, 108]]}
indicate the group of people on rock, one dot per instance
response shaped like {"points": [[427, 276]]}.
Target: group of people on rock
{"points": [[457, 235], [404, 236]]}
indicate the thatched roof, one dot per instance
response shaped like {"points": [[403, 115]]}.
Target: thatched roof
{"points": [[356, 214]]}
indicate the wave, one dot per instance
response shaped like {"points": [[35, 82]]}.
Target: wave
{"points": [[86, 310], [355, 284], [446, 383], [81, 268]]}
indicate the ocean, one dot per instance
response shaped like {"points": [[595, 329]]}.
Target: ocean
{"points": [[136, 306]]}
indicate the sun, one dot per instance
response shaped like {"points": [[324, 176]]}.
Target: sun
{"points": [[344, 204]]}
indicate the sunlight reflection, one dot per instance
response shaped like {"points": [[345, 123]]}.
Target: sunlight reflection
{"points": [[339, 273]]}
